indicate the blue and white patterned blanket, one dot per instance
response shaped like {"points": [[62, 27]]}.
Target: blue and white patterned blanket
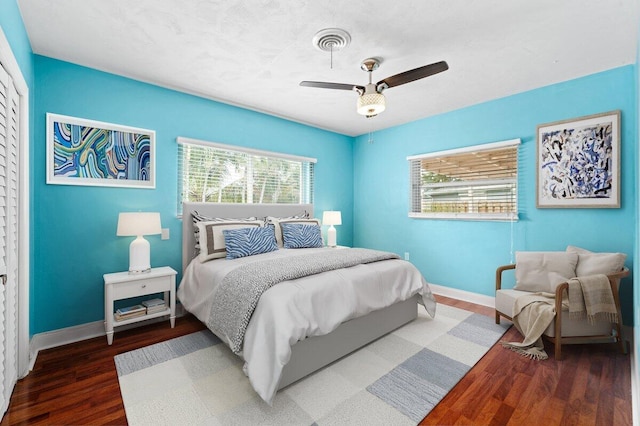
{"points": [[237, 296]]}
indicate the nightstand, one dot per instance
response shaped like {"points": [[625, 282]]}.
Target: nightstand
{"points": [[122, 285]]}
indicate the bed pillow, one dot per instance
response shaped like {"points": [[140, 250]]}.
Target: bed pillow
{"points": [[543, 271], [244, 242], [590, 263], [276, 223], [212, 239], [298, 235], [197, 217]]}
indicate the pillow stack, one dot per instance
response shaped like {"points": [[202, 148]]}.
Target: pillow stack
{"points": [[544, 271], [232, 238]]}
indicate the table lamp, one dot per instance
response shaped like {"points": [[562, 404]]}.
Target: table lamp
{"points": [[139, 224], [331, 218]]}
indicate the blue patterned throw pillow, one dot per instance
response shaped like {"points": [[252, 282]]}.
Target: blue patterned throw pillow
{"points": [[296, 235], [243, 242]]}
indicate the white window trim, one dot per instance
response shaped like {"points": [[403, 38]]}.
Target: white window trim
{"points": [[258, 152], [475, 148], [181, 140], [490, 217]]}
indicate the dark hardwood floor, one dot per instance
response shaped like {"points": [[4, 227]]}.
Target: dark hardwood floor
{"points": [[77, 384]]}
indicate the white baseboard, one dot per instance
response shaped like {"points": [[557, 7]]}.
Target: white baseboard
{"points": [[467, 296], [65, 336]]}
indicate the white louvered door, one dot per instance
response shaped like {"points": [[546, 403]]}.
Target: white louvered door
{"points": [[9, 119]]}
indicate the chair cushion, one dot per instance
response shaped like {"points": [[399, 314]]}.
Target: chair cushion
{"points": [[590, 263], [543, 271], [571, 327]]}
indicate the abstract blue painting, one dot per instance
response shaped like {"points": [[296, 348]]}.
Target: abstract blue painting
{"points": [[578, 162], [84, 152]]}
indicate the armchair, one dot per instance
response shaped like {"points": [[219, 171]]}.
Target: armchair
{"points": [[564, 329]]}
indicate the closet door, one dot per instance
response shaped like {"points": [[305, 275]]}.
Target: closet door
{"points": [[8, 237]]}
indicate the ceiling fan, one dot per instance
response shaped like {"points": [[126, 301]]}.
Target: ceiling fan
{"points": [[371, 101]]}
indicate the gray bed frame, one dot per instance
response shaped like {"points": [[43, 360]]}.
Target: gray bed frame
{"points": [[315, 352]]}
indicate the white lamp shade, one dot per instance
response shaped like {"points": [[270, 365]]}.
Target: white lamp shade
{"points": [[138, 223], [331, 218]]}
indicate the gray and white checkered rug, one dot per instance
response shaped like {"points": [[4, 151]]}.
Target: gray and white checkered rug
{"points": [[396, 380]]}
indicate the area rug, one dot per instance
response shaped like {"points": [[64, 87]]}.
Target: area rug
{"points": [[396, 380]]}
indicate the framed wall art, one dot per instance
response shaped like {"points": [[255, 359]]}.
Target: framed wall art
{"points": [[578, 162], [86, 152]]}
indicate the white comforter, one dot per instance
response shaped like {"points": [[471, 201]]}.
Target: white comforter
{"points": [[310, 306]]}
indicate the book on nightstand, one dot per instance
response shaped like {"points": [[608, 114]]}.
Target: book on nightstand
{"points": [[121, 317], [130, 312], [130, 309], [155, 309], [155, 305]]}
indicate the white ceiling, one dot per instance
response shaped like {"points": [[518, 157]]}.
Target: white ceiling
{"points": [[254, 53]]}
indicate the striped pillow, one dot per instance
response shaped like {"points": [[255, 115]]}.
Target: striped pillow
{"points": [[196, 217], [276, 222], [212, 245], [244, 242], [296, 235]]}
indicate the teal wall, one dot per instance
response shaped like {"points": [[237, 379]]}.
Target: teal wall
{"points": [[75, 226], [13, 28], [464, 254]]}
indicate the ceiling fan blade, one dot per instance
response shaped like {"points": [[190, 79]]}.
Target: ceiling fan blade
{"points": [[325, 85], [414, 74]]}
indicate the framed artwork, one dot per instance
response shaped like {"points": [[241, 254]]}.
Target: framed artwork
{"points": [[86, 152], [578, 162]]}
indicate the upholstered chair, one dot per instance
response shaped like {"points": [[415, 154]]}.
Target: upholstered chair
{"points": [[549, 272]]}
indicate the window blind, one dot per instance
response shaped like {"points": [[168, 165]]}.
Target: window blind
{"points": [[478, 182], [217, 173]]}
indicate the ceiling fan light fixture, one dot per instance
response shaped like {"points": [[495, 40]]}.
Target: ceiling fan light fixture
{"points": [[371, 104]]}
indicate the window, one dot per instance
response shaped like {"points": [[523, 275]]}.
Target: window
{"points": [[216, 173], [477, 183]]}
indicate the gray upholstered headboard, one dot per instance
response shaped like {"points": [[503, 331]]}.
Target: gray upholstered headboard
{"points": [[230, 211]]}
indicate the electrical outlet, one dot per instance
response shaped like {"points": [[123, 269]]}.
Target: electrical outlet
{"points": [[406, 255], [165, 233]]}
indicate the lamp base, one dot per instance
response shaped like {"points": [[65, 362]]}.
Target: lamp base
{"points": [[139, 272], [331, 237], [139, 256]]}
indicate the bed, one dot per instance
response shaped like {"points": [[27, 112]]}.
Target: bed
{"points": [[321, 341]]}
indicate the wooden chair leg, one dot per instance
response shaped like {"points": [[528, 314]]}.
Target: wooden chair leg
{"points": [[558, 347], [497, 318], [557, 338], [622, 345]]}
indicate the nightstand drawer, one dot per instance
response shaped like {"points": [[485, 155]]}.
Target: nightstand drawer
{"points": [[142, 287]]}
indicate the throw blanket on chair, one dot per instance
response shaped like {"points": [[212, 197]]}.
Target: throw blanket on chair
{"points": [[532, 314], [591, 295]]}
